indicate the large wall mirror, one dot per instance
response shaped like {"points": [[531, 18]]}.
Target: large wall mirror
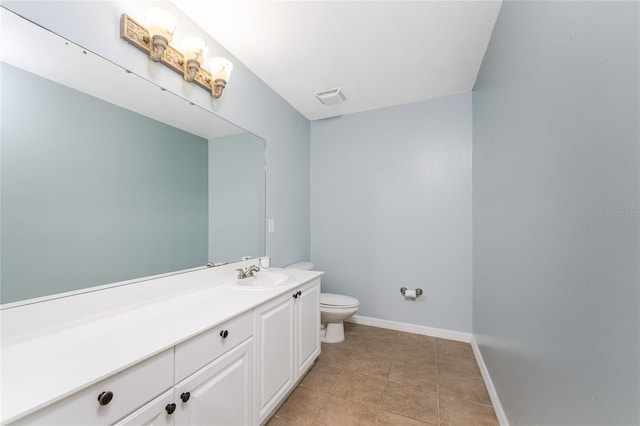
{"points": [[107, 179]]}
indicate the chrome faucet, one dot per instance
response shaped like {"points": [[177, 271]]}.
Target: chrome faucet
{"points": [[246, 273]]}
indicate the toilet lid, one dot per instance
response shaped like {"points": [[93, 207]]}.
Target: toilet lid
{"points": [[331, 299]]}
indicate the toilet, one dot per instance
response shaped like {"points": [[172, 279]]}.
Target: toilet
{"points": [[334, 309]]}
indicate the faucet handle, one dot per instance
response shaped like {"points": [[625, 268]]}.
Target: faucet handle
{"points": [[241, 274]]}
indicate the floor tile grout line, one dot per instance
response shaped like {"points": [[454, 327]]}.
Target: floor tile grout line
{"points": [[337, 379]]}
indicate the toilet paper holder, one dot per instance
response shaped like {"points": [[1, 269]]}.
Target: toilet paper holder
{"points": [[418, 291]]}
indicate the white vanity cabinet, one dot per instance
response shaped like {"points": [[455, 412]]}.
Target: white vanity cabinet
{"points": [[233, 360], [200, 350], [220, 393], [214, 375], [307, 327], [274, 327], [287, 342]]}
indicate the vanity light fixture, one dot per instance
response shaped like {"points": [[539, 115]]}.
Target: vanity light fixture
{"points": [[155, 41]]}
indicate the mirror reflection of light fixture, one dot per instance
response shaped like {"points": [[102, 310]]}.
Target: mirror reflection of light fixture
{"points": [[220, 73], [162, 26], [156, 40], [195, 49]]}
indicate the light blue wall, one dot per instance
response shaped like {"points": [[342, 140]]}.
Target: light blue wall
{"points": [[556, 212], [247, 102], [391, 207]]}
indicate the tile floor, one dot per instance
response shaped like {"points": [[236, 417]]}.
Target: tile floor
{"points": [[386, 377]]}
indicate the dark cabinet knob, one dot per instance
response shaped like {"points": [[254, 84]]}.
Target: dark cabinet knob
{"points": [[105, 397], [224, 334], [185, 396], [171, 408], [299, 293], [295, 295]]}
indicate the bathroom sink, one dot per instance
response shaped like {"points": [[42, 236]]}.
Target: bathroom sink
{"points": [[263, 279]]}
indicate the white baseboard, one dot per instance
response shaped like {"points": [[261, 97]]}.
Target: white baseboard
{"points": [[442, 333], [495, 401]]}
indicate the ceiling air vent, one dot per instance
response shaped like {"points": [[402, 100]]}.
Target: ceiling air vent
{"points": [[331, 96]]}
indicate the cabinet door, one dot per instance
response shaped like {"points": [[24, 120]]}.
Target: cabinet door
{"points": [[159, 412], [274, 333], [307, 327], [220, 393]]}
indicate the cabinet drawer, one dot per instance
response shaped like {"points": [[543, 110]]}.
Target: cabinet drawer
{"points": [[130, 388], [200, 350]]}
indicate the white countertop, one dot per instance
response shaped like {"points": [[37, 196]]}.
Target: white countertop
{"points": [[44, 364]]}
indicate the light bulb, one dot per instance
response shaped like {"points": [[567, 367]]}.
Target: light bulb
{"points": [[161, 23], [194, 48], [220, 68]]}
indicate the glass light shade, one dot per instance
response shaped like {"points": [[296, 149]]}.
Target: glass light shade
{"points": [[220, 68], [194, 48], [162, 23]]}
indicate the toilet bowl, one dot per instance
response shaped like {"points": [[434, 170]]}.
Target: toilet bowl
{"points": [[334, 309]]}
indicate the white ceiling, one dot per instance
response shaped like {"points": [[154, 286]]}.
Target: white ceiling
{"points": [[381, 53]]}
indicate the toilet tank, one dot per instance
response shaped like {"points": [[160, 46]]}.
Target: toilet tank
{"points": [[304, 266]]}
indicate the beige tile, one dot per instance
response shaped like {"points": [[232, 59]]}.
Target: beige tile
{"points": [[461, 366], [422, 374], [334, 355], [390, 419], [469, 388], [417, 404], [452, 349], [454, 411], [353, 328], [351, 342], [383, 334], [376, 347], [417, 376], [415, 339], [338, 411], [302, 406], [421, 355], [321, 377], [358, 388], [368, 365]]}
